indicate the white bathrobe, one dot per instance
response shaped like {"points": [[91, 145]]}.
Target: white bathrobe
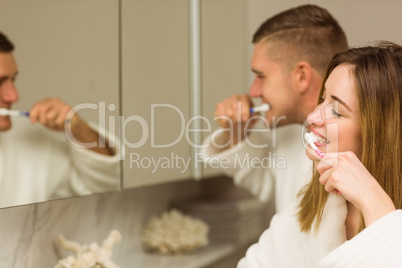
{"points": [[379, 245], [37, 164], [283, 245], [284, 168]]}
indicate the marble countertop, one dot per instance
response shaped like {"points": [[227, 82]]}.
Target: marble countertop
{"points": [[200, 258]]}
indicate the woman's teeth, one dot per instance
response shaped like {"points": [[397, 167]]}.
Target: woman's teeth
{"points": [[319, 139]]}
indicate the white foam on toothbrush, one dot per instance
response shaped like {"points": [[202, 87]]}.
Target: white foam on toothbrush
{"points": [[310, 138], [262, 108]]}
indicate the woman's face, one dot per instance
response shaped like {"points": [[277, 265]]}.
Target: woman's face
{"points": [[335, 121]]}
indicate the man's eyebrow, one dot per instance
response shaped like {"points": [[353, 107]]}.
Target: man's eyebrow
{"points": [[256, 72], [7, 76], [341, 102]]}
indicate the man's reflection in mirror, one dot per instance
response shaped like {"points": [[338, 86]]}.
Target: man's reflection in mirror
{"points": [[37, 161]]}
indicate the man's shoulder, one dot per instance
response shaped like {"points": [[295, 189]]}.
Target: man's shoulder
{"points": [[289, 137]]}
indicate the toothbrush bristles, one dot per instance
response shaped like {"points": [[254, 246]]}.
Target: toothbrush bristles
{"points": [[262, 108], [309, 138]]}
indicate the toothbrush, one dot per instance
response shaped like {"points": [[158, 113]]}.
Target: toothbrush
{"points": [[310, 139], [262, 108], [4, 112]]}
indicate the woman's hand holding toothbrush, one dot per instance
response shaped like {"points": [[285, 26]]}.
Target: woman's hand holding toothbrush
{"points": [[344, 172]]}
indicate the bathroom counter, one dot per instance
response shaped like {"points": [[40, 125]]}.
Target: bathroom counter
{"points": [[205, 257], [243, 218]]}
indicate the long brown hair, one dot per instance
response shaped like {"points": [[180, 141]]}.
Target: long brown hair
{"points": [[377, 71]]}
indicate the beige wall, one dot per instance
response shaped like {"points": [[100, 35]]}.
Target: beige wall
{"points": [[64, 49]]}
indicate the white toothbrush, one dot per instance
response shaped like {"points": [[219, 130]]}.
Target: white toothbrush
{"points": [[4, 112], [310, 139], [262, 108]]}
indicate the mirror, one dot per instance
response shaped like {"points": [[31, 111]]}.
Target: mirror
{"points": [[156, 82], [68, 50], [155, 97]]}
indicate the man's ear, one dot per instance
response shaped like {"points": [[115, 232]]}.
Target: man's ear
{"points": [[302, 74]]}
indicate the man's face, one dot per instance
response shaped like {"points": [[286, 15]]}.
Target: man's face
{"points": [[8, 91], [273, 84]]}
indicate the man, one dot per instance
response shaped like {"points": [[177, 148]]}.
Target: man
{"points": [[291, 52], [38, 162]]}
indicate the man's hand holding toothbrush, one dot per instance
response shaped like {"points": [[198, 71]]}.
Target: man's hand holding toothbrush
{"points": [[235, 115], [52, 113]]}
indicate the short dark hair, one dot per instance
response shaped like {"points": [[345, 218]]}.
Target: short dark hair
{"points": [[5, 44], [309, 32]]}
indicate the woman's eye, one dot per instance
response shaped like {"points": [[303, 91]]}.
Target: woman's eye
{"points": [[335, 113]]}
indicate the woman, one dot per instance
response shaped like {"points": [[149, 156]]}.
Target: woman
{"points": [[358, 126]]}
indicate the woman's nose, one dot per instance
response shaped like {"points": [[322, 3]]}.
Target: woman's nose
{"points": [[316, 117]]}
